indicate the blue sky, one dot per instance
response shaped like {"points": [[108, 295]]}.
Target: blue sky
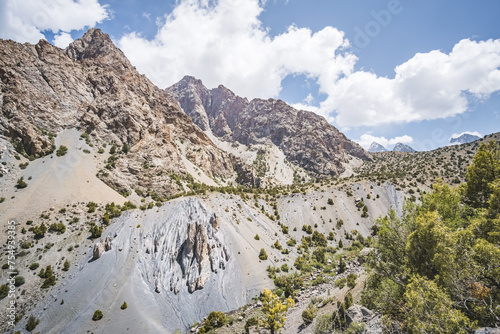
{"points": [[396, 70]]}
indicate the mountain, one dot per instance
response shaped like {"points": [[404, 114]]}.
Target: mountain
{"points": [[400, 147], [305, 138], [376, 147], [464, 138], [91, 86]]}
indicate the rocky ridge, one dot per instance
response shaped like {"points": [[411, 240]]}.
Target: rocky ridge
{"points": [[306, 139], [92, 86]]}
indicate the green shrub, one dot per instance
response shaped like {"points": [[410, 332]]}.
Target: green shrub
{"points": [[66, 266], [4, 291], [92, 206], [250, 323], [309, 314], [60, 228], [39, 231], [20, 183], [215, 319], [5, 266], [124, 305], [34, 266], [32, 323], [340, 283], [61, 151], [97, 315], [351, 280], [256, 237], [19, 280], [263, 254], [95, 231]]}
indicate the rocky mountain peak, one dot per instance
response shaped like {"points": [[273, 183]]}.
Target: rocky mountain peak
{"points": [[400, 147], [305, 138], [376, 147], [96, 45]]}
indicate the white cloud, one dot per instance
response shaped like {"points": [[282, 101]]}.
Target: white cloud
{"points": [[24, 21], [224, 42], [474, 133], [367, 139], [429, 86], [62, 40]]}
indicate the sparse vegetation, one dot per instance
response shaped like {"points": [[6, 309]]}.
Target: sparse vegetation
{"points": [[97, 315], [61, 151]]}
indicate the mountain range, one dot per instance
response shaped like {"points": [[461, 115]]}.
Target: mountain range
{"points": [[162, 208]]}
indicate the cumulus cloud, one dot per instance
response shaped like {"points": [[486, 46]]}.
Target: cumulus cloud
{"points": [[62, 40], [367, 139], [224, 42], [24, 21], [429, 86]]}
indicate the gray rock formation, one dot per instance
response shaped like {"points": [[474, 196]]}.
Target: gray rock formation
{"points": [[101, 247], [186, 250], [361, 314], [306, 138]]}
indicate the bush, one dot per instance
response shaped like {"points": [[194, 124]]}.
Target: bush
{"points": [[124, 305], [62, 150], [32, 323], [66, 266], [309, 314], [34, 266], [256, 237], [60, 228], [95, 231], [250, 323], [39, 231], [92, 206], [214, 320], [351, 280], [21, 184], [4, 291], [97, 315], [263, 254], [19, 280], [340, 283]]}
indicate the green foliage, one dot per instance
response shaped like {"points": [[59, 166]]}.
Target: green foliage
{"points": [[309, 314], [91, 207], [430, 310], [124, 306], [351, 280], [59, 228], [34, 266], [48, 275], [319, 239], [4, 291], [215, 319], [66, 265], [39, 231], [250, 323], [97, 315], [32, 323], [436, 268], [20, 183], [95, 231], [112, 150], [484, 169], [340, 283], [256, 237], [330, 201], [263, 254], [274, 311], [62, 150], [19, 280]]}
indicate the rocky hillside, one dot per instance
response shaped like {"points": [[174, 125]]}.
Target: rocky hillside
{"points": [[92, 86], [305, 138]]}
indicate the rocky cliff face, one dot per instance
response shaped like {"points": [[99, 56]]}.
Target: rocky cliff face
{"points": [[306, 138], [185, 251], [93, 87]]}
